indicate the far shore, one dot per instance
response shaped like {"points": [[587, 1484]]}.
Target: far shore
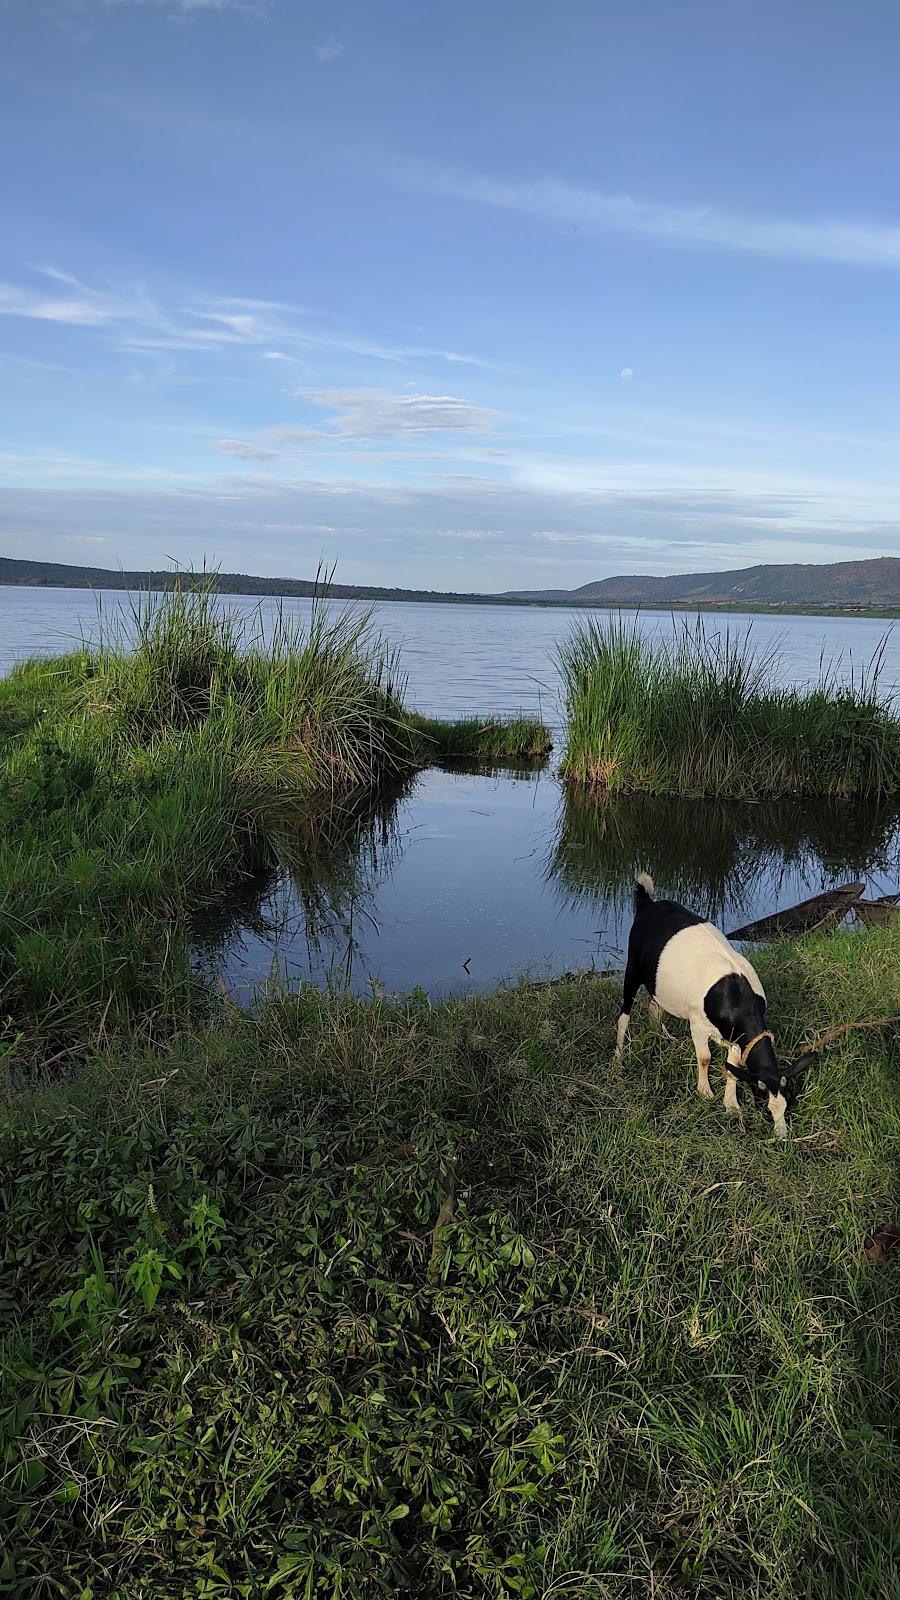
{"points": [[862, 613]]}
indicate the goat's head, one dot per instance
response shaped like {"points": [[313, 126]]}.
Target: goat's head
{"points": [[775, 1088]]}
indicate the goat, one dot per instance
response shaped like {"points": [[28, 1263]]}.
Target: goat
{"points": [[690, 970]]}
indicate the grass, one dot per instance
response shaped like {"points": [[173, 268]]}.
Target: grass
{"points": [[357, 1300], [703, 714], [516, 740], [148, 777]]}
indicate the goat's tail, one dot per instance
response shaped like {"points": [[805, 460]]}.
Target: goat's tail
{"points": [[643, 890]]}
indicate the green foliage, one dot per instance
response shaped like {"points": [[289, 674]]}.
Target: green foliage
{"points": [[505, 739], [148, 778], [703, 713], [352, 1301]]}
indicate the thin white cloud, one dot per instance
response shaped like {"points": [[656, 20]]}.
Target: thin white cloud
{"points": [[245, 450], [836, 239], [626, 373], [376, 413], [329, 49], [248, 7], [78, 309], [136, 322]]}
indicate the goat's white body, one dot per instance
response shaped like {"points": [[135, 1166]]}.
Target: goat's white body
{"points": [[692, 961]]}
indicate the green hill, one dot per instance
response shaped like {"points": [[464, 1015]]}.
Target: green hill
{"points": [[846, 586]]}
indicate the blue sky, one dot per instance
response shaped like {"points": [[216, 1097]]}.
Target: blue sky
{"points": [[456, 293]]}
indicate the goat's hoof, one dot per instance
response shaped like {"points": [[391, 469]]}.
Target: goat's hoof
{"points": [[705, 1091]]}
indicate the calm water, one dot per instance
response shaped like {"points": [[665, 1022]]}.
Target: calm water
{"points": [[462, 880], [462, 658], [465, 880]]}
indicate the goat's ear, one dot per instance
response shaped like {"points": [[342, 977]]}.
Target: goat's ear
{"points": [[741, 1073], [802, 1063]]}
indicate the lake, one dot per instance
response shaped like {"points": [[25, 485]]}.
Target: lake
{"points": [[460, 880]]}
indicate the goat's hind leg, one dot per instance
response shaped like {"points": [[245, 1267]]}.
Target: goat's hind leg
{"points": [[629, 990]]}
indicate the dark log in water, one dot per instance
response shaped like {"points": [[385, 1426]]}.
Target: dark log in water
{"points": [[878, 913], [819, 911]]}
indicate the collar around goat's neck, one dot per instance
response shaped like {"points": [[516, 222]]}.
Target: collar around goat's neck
{"points": [[757, 1039]]}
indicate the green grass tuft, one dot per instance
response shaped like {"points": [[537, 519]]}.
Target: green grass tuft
{"points": [[495, 739], [704, 714]]}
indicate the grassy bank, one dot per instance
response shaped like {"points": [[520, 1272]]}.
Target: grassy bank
{"points": [[148, 777], [704, 714], [436, 1301]]}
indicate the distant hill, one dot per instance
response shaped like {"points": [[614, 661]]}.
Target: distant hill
{"points": [[841, 585], [845, 586], [50, 574]]}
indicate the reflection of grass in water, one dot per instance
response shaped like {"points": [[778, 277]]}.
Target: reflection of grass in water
{"points": [[526, 771], [718, 855], [335, 861], [330, 863]]}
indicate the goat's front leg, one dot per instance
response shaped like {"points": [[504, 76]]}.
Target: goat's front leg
{"points": [[700, 1036], [730, 1100]]}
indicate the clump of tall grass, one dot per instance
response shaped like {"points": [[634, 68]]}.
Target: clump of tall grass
{"points": [[704, 713], [501, 739], [306, 706], [312, 706]]}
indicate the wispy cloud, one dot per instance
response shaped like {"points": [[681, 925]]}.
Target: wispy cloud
{"points": [[244, 450], [134, 321], [860, 243], [378, 414], [249, 7], [329, 49]]}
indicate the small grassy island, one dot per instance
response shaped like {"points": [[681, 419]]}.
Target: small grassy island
{"points": [[703, 714], [341, 1299]]}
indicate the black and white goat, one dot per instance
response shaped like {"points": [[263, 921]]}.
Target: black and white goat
{"points": [[690, 970]]}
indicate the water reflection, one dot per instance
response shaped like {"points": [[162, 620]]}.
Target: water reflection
{"points": [[458, 880], [320, 891], [717, 856]]}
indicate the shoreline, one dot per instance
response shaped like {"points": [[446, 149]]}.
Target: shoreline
{"points": [[688, 608]]}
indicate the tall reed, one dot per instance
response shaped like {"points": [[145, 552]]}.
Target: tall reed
{"points": [[705, 713]]}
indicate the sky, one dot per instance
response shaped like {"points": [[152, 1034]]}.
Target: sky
{"points": [[455, 294]]}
